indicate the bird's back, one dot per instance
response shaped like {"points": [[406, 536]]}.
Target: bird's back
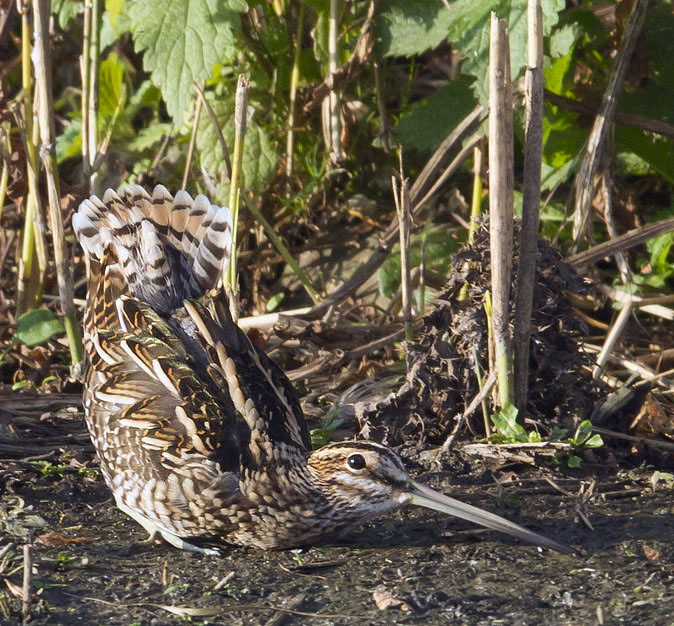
{"points": [[178, 402]]}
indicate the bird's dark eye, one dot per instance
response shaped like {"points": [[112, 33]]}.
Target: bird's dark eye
{"points": [[356, 461]]}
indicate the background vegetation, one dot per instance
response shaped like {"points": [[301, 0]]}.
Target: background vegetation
{"points": [[340, 95]]}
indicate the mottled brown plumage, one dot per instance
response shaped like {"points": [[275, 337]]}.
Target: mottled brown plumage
{"points": [[200, 435]]}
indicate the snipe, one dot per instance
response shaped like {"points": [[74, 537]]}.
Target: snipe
{"points": [[200, 435]]}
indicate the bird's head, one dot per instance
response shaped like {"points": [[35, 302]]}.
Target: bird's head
{"points": [[363, 479]]}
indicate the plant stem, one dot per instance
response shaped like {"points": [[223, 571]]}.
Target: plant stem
{"points": [[294, 82], [333, 57], [29, 286], [42, 65], [240, 111], [528, 250], [193, 140], [501, 202]]}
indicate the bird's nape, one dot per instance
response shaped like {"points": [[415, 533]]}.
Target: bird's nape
{"points": [[423, 496]]}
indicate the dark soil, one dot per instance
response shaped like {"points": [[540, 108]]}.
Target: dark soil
{"points": [[433, 570]]}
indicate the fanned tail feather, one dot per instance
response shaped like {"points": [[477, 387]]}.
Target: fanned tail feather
{"points": [[164, 249]]}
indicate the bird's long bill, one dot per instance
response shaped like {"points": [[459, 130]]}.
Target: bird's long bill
{"points": [[426, 497]]}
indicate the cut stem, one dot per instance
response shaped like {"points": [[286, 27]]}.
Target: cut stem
{"points": [[501, 202]]}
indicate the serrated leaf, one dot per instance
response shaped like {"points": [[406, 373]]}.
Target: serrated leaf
{"points": [[259, 156], [150, 136], [37, 327], [428, 123], [182, 40], [407, 28], [469, 33]]}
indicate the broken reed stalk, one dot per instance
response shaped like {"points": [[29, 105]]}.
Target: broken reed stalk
{"points": [[611, 338], [240, 111], [294, 82], [402, 201], [41, 62], [92, 103], [335, 134], [528, 249], [501, 202], [5, 129], [25, 589], [596, 143]]}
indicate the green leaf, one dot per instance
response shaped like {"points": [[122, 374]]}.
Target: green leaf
{"points": [[111, 88], [37, 327], [66, 11], [182, 40], [274, 301], [407, 28], [469, 33], [69, 142], [505, 422], [259, 156], [574, 461], [659, 248], [428, 123], [656, 150], [150, 136], [114, 9], [562, 41]]}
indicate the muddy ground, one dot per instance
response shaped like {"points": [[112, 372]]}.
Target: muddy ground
{"points": [[430, 570]]}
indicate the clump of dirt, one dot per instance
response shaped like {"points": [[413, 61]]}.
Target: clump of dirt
{"points": [[453, 344]]}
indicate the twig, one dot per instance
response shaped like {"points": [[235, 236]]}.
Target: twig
{"points": [[528, 251], [611, 338], [402, 202], [501, 202], [625, 119], [630, 239], [467, 126], [456, 163], [48, 156], [470, 409], [193, 141], [27, 572], [584, 183], [218, 130], [609, 218]]}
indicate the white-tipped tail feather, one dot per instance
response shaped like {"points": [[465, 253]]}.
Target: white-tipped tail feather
{"points": [[168, 248]]}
